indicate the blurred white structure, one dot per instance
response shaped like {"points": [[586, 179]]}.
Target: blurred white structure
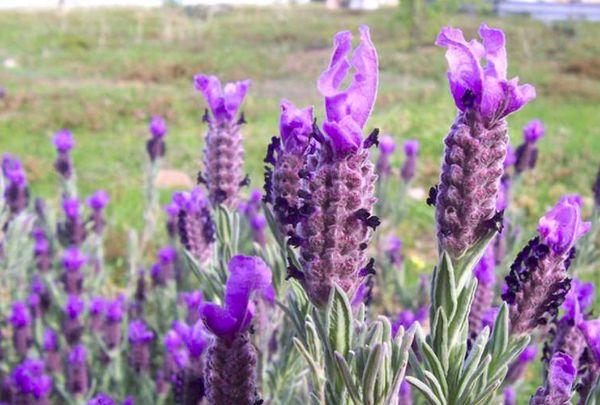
{"points": [[552, 10], [41, 4]]}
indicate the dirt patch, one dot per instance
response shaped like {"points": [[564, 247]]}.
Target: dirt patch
{"points": [[585, 67]]}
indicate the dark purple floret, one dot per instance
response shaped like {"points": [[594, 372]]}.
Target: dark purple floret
{"points": [[20, 319], [77, 371], [16, 192], [527, 153], [411, 150], [195, 224], [71, 231]]}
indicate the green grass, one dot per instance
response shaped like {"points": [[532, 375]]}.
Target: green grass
{"points": [[103, 73]]}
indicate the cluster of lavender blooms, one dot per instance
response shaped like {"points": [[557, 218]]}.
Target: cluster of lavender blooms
{"points": [[218, 338]]}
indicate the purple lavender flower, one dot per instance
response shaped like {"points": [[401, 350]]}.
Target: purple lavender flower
{"points": [[393, 251], [136, 306], [485, 274], [77, 371], [111, 328], [72, 230], [527, 153], [73, 260], [193, 301], [407, 317], [475, 148], [101, 399], [510, 396], [64, 142], [258, 223], [20, 319], [34, 302], [287, 155], [196, 226], [591, 359], [387, 146], [405, 394], [96, 313], [72, 323], [30, 383], [223, 151], [519, 366], [16, 192], [172, 211], [489, 318], [596, 189], [231, 362], [411, 150], [559, 384], [336, 219], [52, 356], [140, 338], [156, 145], [41, 250], [538, 282], [38, 287], [97, 202]]}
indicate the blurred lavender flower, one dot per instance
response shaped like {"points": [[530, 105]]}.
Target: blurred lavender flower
{"points": [[96, 313], [527, 153], [139, 337], [196, 226], [510, 396], [20, 320], [251, 210], [73, 260], [16, 192], [97, 202], [500, 241], [52, 355], [393, 251], [72, 322], [64, 142], [405, 395], [231, 362], [111, 328], [407, 317], [485, 274], [475, 148], [101, 399], [172, 211], [193, 301], [136, 306], [223, 151], [38, 287], [72, 230], [591, 363], [155, 146], [489, 318], [596, 189], [387, 146], [30, 383], [559, 384], [538, 282], [337, 219], [41, 250], [287, 154], [411, 150], [34, 303], [77, 371], [519, 366], [164, 269]]}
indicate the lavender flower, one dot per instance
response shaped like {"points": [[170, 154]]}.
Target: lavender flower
{"points": [[407, 317], [172, 211], [559, 384], [484, 272], [591, 367], [30, 383], [73, 260], [20, 319], [538, 282], [405, 395], [387, 146], [223, 151], [140, 338], [231, 361], [77, 371], [136, 306], [336, 220], [96, 313], [101, 399], [156, 145], [97, 202], [251, 210], [510, 396], [527, 153], [52, 355], [411, 150], [64, 142], [476, 146], [38, 287], [111, 328], [393, 251], [72, 323], [596, 189], [72, 230], [196, 226], [41, 250], [16, 192], [519, 366], [193, 301], [164, 269]]}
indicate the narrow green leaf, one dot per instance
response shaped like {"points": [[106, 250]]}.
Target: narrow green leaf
{"points": [[500, 336], [340, 322], [424, 389], [369, 375], [347, 377]]}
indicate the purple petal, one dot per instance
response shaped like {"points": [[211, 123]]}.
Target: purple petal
{"points": [[387, 145], [223, 102], [411, 147], [63, 141], [562, 226], [345, 137], [218, 320], [533, 131], [591, 331], [295, 126]]}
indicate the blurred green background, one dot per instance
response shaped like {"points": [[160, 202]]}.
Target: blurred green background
{"points": [[102, 73]]}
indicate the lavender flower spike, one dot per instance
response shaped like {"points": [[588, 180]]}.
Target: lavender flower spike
{"points": [[387, 146], [195, 224], [64, 142], [30, 384], [559, 384], [484, 272], [538, 282], [140, 338], [231, 361], [287, 154], [73, 260], [20, 319], [16, 192], [223, 151], [411, 150], [72, 323], [591, 332], [596, 189], [97, 202], [257, 221], [337, 221], [77, 372], [527, 153], [519, 366], [476, 146], [72, 230], [156, 145]]}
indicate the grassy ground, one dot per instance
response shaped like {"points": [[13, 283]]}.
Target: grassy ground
{"points": [[103, 73]]}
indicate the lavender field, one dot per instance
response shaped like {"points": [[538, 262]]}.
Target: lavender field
{"points": [[291, 205]]}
